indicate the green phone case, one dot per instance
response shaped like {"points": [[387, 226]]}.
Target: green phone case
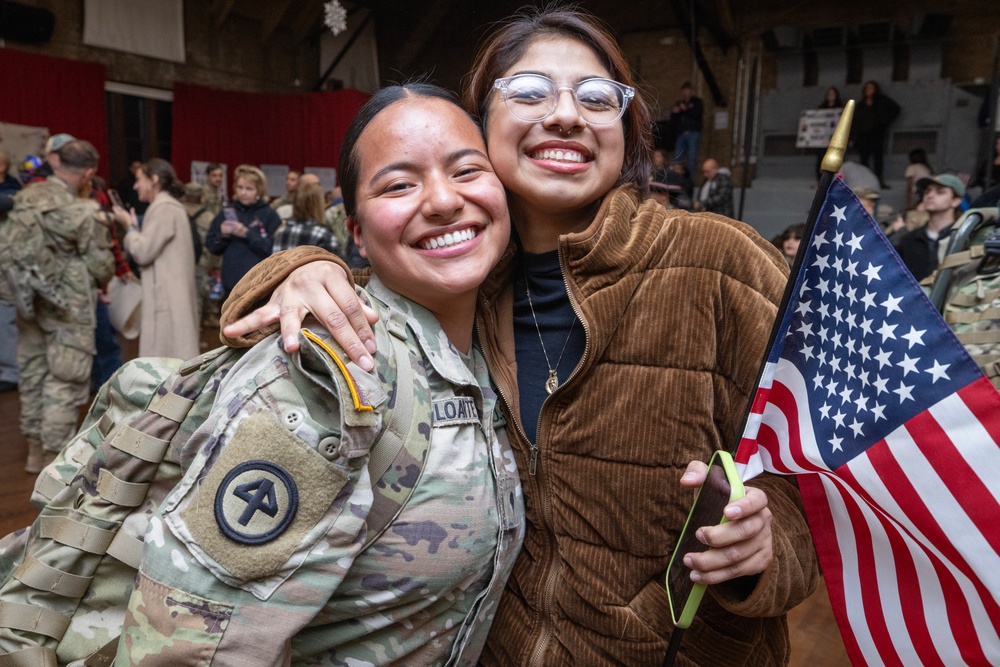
{"points": [[725, 460]]}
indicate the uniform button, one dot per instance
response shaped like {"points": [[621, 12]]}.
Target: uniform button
{"points": [[292, 419], [329, 447]]}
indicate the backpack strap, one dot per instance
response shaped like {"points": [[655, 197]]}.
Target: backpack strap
{"points": [[392, 442]]}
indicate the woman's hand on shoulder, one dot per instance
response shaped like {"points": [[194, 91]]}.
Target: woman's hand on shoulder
{"points": [[740, 547], [321, 289]]}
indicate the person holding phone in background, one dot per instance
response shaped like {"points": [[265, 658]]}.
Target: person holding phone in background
{"points": [[244, 232], [164, 251], [625, 341]]}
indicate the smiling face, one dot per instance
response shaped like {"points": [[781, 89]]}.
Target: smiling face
{"points": [[560, 166], [145, 186], [431, 215]]}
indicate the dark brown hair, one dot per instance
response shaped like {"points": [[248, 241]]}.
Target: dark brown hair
{"points": [[164, 171], [504, 47]]}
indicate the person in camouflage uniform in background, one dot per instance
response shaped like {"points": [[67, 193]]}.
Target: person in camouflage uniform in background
{"points": [[211, 197], [261, 553], [55, 349], [202, 216]]}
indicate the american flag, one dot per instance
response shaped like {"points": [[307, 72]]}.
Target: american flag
{"points": [[893, 432]]}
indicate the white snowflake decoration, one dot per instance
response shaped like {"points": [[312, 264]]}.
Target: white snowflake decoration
{"points": [[335, 17]]}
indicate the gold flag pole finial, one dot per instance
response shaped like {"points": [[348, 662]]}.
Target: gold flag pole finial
{"points": [[834, 157]]}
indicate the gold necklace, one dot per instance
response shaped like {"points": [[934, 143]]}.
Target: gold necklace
{"points": [[552, 383]]}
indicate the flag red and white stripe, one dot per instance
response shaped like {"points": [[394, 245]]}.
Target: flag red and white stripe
{"points": [[903, 500]]}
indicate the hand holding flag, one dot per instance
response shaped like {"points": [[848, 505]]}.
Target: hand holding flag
{"points": [[893, 431]]}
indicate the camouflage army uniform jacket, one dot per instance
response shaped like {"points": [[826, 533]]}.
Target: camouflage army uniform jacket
{"points": [[81, 243], [256, 557]]}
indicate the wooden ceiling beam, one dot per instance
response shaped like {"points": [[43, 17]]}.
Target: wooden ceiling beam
{"points": [[220, 11], [426, 29], [309, 15], [272, 17]]}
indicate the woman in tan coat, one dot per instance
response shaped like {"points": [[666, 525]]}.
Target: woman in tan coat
{"points": [[164, 250]]}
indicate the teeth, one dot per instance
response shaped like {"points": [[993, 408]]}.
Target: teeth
{"points": [[559, 155], [449, 239]]}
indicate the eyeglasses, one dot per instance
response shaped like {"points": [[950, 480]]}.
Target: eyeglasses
{"points": [[533, 97]]}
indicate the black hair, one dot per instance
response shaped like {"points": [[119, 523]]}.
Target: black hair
{"points": [[919, 156], [348, 168], [212, 166]]}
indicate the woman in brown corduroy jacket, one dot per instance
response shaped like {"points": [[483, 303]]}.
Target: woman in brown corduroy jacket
{"points": [[624, 340]]}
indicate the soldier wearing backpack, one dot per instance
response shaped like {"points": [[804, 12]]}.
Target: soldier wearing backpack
{"points": [[54, 252]]}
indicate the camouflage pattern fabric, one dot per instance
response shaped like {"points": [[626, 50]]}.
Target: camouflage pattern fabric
{"points": [[262, 541], [973, 313], [211, 199], [208, 309], [96, 500], [335, 217], [56, 345]]}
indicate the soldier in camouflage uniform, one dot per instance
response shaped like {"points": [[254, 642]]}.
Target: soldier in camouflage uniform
{"points": [[211, 197], [55, 349], [202, 216], [261, 554]]}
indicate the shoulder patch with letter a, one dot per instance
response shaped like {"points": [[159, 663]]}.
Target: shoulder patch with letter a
{"points": [[256, 502], [265, 493]]}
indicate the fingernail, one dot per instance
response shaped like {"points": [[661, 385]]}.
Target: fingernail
{"points": [[370, 346], [701, 535], [734, 511], [290, 340], [687, 476], [366, 363], [688, 561], [695, 576]]}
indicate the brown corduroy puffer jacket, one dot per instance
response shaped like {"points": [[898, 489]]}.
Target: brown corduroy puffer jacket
{"points": [[677, 310]]}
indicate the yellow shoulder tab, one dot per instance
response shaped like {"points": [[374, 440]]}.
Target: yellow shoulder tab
{"points": [[361, 402]]}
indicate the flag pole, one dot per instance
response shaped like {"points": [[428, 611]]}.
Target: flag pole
{"points": [[832, 161]]}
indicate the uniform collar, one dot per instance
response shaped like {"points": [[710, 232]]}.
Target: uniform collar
{"points": [[425, 329]]}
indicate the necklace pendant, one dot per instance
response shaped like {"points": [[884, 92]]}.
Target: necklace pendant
{"points": [[551, 383]]}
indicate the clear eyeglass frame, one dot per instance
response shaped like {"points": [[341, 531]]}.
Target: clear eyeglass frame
{"points": [[535, 110]]}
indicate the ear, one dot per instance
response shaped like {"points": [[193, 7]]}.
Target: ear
{"points": [[354, 227]]}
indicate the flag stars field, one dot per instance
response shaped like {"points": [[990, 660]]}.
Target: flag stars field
{"points": [[894, 435]]}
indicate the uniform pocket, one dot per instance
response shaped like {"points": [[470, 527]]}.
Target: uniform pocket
{"points": [[165, 626], [71, 357]]}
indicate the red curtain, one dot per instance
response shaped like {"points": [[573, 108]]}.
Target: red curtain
{"points": [[62, 95], [300, 130]]}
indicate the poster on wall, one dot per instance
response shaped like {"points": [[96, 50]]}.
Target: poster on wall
{"points": [[327, 176], [816, 127], [275, 175], [20, 141]]}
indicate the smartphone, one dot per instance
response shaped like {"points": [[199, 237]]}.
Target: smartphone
{"points": [[721, 487], [229, 213], [116, 198]]}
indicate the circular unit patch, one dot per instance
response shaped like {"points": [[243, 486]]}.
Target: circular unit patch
{"points": [[256, 502]]}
